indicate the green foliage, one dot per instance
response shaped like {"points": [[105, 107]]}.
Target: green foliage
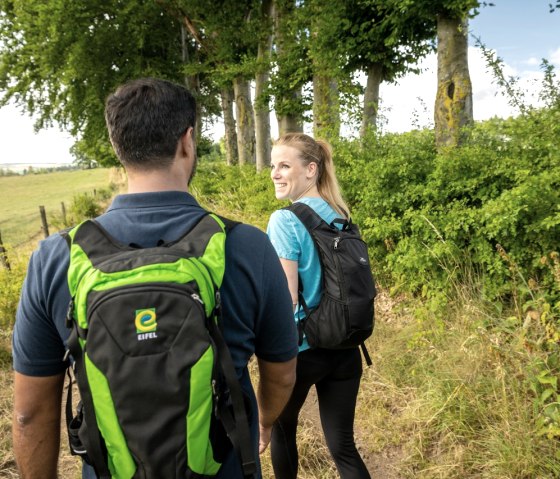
{"points": [[238, 192], [10, 285], [84, 206], [459, 9], [417, 207], [485, 214], [7, 172], [393, 34], [92, 47], [293, 70], [206, 147]]}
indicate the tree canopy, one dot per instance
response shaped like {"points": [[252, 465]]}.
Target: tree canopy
{"points": [[61, 58]]}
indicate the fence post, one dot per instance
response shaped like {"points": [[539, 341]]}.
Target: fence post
{"points": [[44, 221], [3, 255], [63, 213]]}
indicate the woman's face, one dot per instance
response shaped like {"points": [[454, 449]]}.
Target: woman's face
{"points": [[290, 177]]}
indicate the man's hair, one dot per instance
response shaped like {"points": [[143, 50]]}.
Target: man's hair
{"points": [[145, 118]]}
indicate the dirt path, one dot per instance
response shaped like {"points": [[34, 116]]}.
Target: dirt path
{"points": [[380, 465]]}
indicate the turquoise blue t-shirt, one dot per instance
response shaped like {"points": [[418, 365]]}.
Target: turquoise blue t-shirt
{"points": [[292, 241]]}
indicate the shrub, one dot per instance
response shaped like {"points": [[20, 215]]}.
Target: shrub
{"points": [[417, 207], [84, 206], [239, 192]]}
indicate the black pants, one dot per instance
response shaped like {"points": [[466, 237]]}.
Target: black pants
{"points": [[336, 375]]}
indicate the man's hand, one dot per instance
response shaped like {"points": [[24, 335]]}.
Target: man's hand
{"points": [[36, 425], [275, 387]]}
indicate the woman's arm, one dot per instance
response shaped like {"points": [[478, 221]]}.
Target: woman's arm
{"points": [[291, 270]]}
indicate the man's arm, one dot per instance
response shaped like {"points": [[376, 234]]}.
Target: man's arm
{"points": [[36, 425], [275, 387]]}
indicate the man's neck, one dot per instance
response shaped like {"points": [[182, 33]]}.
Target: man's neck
{"points": [[154, 181]]}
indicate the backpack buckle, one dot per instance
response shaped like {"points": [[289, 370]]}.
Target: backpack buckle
{"points": [[70, 314]]}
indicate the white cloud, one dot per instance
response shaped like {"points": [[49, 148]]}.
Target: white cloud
{"points": [[555, 57]]}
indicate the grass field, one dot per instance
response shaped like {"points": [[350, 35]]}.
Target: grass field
{"points": [[21, 196]]}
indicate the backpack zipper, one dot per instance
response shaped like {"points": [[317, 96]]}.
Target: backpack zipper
{"points": [[336, 242], [197, 298]]}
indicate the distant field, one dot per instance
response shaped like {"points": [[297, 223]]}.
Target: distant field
{"points": [[21, 196]]}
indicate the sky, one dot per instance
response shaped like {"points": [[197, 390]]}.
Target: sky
{"points": [[521, 32]]}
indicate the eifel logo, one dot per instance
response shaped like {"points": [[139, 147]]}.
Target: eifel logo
{"points": [[146, 323]]}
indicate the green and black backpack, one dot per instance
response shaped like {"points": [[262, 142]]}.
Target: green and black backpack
{"points": [[159, 394]]}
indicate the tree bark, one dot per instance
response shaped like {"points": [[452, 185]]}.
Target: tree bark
{"points": [[232, 157], [192, 82], [371, 98], [262, 108], [245, 121], [326, 106], [290, 123], [453, 107]]}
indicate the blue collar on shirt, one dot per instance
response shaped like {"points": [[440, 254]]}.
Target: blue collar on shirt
{"points": [[148, 200]]}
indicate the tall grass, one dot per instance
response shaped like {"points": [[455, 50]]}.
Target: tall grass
{"points": [[454, 393]]}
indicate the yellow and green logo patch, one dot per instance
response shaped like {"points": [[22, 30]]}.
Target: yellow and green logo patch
{"points": [[145, 320]]}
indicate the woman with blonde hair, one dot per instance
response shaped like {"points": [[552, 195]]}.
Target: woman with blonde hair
{"points": [[302, 170]]}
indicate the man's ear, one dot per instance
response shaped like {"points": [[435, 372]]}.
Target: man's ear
{"points": [[187, 141]]}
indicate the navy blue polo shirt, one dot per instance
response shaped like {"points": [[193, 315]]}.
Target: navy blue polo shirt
{"points": [[257, 310]]}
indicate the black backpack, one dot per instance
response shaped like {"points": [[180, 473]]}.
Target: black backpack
{"points": [[344, 317]]}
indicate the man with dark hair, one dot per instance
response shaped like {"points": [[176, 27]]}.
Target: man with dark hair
{"points": [[151, 125]]}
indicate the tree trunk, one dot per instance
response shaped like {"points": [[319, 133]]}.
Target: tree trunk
{"points": [[326, 106], [371, 98], [290, 123], [262, 108], [289, 118], [245, 122], [192, 82], [229, 126], [453, 107]]}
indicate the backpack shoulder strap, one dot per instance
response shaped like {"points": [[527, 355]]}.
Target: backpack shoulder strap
{"points": [[311, 220], [229, 224], [306, 215], [65, 233], [235, 421]]}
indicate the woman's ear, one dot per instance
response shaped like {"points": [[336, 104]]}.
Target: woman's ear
{"points": [[311, 170]]}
